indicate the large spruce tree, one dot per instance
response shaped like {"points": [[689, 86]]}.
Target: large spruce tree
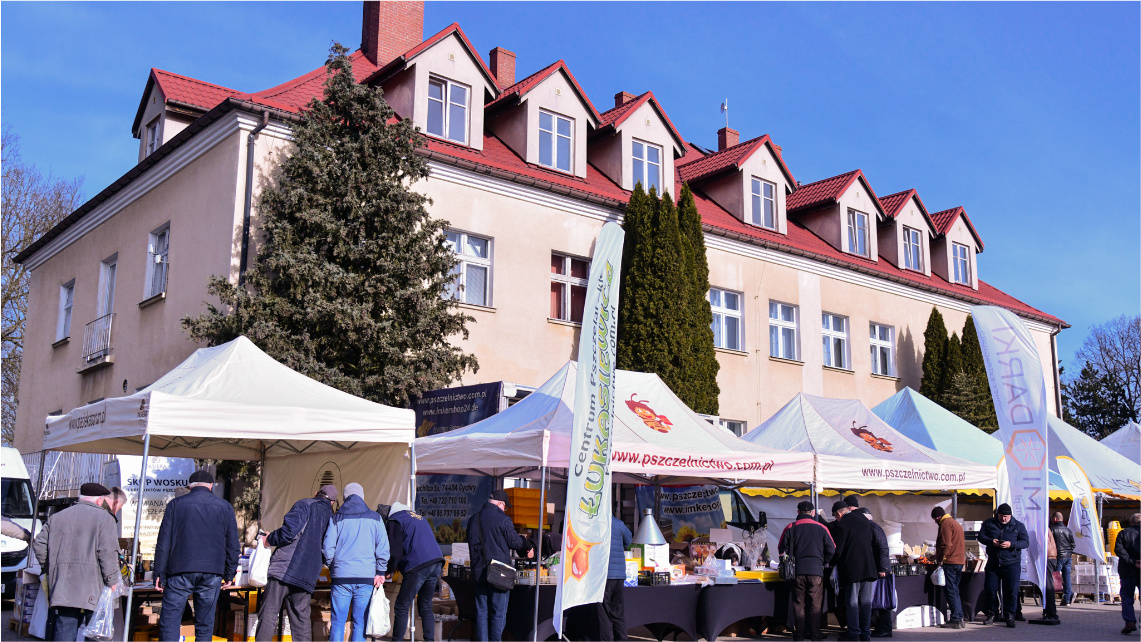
{"points": [[934, 352], [350, 285], [699, 364], [975, 368]]}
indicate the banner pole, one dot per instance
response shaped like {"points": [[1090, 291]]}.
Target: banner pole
{"points": [[135, 543], [539, 545], [412, 506]]}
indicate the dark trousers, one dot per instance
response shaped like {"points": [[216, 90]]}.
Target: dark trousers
{"points": [[1128, 589], [64, 622], [857, 601], [296, 601], [881, 620], [954, 574], [490, 612], [418, 585], [1050, 605], [1007, 577], [612, 611], [204, 588], [807, 603]]}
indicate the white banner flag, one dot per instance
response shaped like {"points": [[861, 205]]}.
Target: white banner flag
{"points": [[1084, 520], [586, 531], [1019, 390]]}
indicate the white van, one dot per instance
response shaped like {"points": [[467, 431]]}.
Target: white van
{"points": [[18, 504]]}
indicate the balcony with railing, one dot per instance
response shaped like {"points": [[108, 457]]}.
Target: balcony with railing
{"points": [[97, 349]]}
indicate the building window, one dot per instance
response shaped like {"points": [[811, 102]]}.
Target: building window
{"points": [[473, 268], [962, 259], [764, 204], [568, 287], [154, 135], [648, 166], [554, 141], [782, 330], [66, 300], [726, 319], [835, 330], [447, 109], [912, 250], [857, 232], [738, 428], [158, 261], [883, 349], [107, 273]]}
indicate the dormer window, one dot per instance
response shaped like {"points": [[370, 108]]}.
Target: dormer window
{"points": [[764, 204], [447, 109], [647, 165], [857, 232], [961, 257], [555, 141], [154, 135], [912, 250]]}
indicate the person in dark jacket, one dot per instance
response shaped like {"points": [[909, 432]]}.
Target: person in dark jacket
{"points": [[492, 536], [856, 562], [196, 555], [811, 546], [1064, 540], [612, 610], [1004, 538], [419, 559], [295, 565], [356, 550], [1128, 552], [881, 618]]}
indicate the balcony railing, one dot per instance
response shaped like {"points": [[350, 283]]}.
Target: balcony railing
{"points": [[97, 339]]}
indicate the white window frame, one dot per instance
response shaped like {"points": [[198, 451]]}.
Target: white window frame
{"points": [[158, 262], [778, 324], [836, 342], [646, 164], [854, 229], [912, 249], [722, 313], [567, 281], [449, 101], [738, 428], [555, 136], [108, 273], [66, 308], [458, 289], [758, 201], [153, 135], [962, 275], [880, 345]]}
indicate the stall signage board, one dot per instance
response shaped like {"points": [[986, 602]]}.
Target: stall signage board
{"points": [[1018, 387], [1083, 515], [692, 510], [448, 501], [439, 411], [165, 475], [586, 530]]}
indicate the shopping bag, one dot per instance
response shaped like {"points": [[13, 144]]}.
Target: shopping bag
{"points": [[259, 565], [101, 625], [1056, 577], [883, 593], [379, 622], [938, 577], [38, 627]]}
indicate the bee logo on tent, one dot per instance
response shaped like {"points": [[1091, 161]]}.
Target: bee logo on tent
{"points": [[653, 420], [879, 443]]}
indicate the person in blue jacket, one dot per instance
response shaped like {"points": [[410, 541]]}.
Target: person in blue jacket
{"points": [[1004, 538], [356, 551], [419, 559], [612, 610]]}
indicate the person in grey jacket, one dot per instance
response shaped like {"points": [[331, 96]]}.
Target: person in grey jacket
{"points": [[78, 548], [356, 549]]}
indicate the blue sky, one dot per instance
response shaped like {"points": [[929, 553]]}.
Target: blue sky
{"points": [[1027, 114]]}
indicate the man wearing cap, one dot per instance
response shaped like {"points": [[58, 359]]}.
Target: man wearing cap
{"points": [[419, 559], [295, 565], [1004, 538], [811, 546], [196, 555], [78, 548], [492, 536], [951, 554], [857, 569], [356, 550]]}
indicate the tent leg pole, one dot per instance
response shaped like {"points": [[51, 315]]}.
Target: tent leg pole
{"points": [[135, 541], [412, 505], [954, 504], [539, 553], [39, 489]]}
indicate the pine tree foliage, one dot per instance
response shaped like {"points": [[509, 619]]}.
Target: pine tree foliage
{"points": [[952, 364], [350, 286], [964, 398], [975, 367], [934, 352], [699, 366], [1096, 403]]}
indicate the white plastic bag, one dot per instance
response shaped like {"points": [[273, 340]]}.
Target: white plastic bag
{"points": [[938, 578], [39, 624], [379, 623], [259, 565], [101, 625]]}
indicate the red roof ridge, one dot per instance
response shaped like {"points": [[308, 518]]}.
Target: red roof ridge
{"points": [[428, 42], [521, 88], [157, 71], [823, 191], [615, 117], [893, 204], [733, 157], [944, 219]]}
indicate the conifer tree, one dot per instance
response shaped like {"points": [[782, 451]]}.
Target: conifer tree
{"points": [[952, 365], [350, 286], [975, 368], [934, 352], [699, 366]]}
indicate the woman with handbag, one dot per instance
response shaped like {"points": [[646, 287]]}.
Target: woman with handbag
{"points": [[491, 538]]}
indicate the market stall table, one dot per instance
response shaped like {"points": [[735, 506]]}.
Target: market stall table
{"points": [[723, 604]]}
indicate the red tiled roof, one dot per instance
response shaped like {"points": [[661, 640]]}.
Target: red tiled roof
{"points": [[729, 158], [191, 91], [945, 219], [295, 94], [827, 191], [893, 204], [615, 117], [520, 89], [431, 40]]}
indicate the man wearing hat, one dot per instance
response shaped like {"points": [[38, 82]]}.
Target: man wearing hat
{"points": [[492, 536], [811, 546], [295, 565], [857, 568], [1004, 538], [196, 555], [356, 549], [419, 559], [78, 548]]}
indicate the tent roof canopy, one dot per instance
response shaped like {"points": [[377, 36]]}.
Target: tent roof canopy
{"points": [[1126, 441], [231, 401], [1108, 471]]}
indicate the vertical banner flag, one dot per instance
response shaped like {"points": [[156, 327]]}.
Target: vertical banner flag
{"points": [[1019, 391], [586, 531], [1084, 520]]}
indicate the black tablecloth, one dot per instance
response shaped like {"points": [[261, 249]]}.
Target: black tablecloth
{"points": [[723, 604]]}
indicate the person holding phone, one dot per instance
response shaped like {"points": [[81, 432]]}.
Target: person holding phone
{"points": [[1004, 538]]}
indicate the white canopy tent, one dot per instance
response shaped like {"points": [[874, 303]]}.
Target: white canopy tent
{"points": [[1108, 471], [1126, 441], [855, 449]]}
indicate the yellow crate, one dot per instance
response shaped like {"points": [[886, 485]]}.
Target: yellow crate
{"points": [[521, 494], [764, 576]]}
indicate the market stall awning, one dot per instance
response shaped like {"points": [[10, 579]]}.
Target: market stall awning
{"points": [[856, 449], [1108, 471], [231, 401], [655, 436], [1126, 441]]}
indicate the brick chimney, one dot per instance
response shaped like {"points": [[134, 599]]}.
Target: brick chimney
{"points": [[502, 66], [623, 97], [727, 138], [391, 28]]}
